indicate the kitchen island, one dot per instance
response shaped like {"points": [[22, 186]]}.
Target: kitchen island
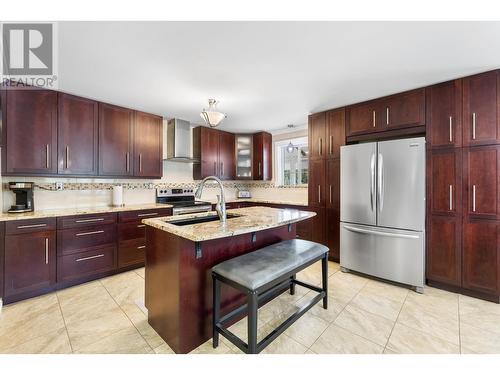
{"points": [[180, 252]]}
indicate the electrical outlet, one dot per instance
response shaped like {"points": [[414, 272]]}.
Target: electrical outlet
{"points": [[59, 185]]}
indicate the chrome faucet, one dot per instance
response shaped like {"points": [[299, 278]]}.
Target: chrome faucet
{"points": [[220, 207]]}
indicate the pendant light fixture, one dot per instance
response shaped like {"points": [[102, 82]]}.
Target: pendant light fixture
{"points": [[211, 115], [290, 148]]}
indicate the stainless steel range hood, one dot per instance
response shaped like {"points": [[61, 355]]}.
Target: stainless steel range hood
{"points": [[179, 141]]}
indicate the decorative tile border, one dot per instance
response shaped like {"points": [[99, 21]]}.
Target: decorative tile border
{"points": [[75, 186]]}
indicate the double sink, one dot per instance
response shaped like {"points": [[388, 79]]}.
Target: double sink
{"points": [[201, 219]]}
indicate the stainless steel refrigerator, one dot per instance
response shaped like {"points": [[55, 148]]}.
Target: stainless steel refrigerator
{"points": [[382, 210]]}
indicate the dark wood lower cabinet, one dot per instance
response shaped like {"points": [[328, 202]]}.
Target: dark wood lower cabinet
{"points": [[332, 233], [444, 250], [41, 255], [86, 263], [30, 263], [481, 256]]}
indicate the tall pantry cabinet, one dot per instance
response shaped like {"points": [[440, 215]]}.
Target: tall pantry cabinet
{"points": [[326, 135], [463, 179]]}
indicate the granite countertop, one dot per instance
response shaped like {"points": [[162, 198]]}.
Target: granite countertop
{"points": [[252, 219], [79, 211], [260, 200]]}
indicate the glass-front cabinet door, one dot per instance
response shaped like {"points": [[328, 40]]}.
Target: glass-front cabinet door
{"points": [[244, 156]]}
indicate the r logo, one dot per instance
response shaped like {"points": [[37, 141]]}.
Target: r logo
{"points": [[28, 49]]}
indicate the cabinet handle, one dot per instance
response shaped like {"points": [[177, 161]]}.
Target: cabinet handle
{"points": [[31, 226], [222, 168], [473, 198], [47, 156], [330, 194], [140, 162], [320, 146], [141, 247], [451, 197], [474, 125], [46, 251], [215, 168], [67, 157], [127, 158], [148, 214], [260, 173], [141, 225], [387, 115], [88, 258], [89, 220], [89, 233], [331, 144], [374, 116], [451, 129], [319, 193]]}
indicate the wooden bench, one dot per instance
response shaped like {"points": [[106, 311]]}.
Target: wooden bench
{"points": [[259, 275]]}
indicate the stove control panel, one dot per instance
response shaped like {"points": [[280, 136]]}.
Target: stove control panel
{"points": [[177, 192]]}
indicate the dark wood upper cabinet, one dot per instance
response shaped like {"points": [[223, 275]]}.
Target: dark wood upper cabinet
{"points": [[206, 149], [31, 136], [481, 251], [335, 132], [317, 135], [30, 262], [317, 186], [77, 135], [444, 249], [262, 156], [444, 114], [363, 118], [404, 110], [445, 181], [481, 106], [227, 156], [115, 140], [481, 181], [148, 145]]}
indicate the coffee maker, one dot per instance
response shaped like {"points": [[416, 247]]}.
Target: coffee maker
{"points": [[24, 197]]}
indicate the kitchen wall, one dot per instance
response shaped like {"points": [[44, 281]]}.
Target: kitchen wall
{"points": [[85, 192]]}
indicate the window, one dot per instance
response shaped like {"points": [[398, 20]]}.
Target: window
{"points": [[292, 167]]}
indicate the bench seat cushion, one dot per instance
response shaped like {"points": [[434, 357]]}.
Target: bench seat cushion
{"points": [[262, 266]]}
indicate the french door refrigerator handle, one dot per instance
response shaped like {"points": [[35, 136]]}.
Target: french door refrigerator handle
{"points": [[380, 176], [386, 234], [372, 180]]}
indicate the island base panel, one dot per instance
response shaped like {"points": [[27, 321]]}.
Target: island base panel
{"points": [[178, 292]]}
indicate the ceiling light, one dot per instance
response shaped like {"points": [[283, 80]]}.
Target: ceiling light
{"points": [[211, 115]]}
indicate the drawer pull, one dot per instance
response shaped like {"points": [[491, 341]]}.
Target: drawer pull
{"points": [[141, 247], [90, 233], [88, 258], [150, 214], [141, 225], [31, 226], [89, 220]]}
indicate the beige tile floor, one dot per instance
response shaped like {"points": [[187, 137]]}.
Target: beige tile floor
{"points": [[364, 316]]}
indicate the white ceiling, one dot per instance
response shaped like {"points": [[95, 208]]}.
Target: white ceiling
{"points": [[265, 74]]}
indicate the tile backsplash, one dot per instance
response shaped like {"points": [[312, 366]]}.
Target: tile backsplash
{"points": [[85, 192]]}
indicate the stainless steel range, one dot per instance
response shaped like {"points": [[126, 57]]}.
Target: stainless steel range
{"points": [[183, 201]]}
